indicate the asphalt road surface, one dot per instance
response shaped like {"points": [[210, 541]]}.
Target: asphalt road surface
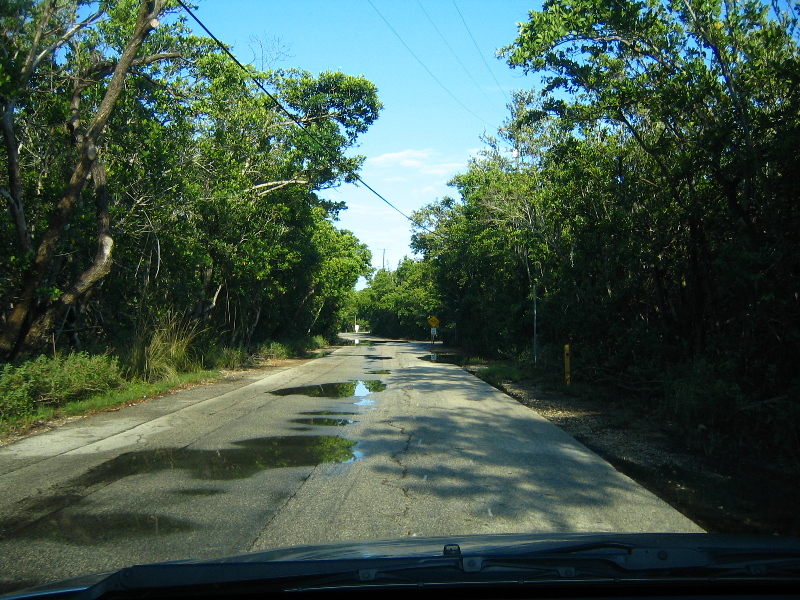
{"points": [[403, 446]]}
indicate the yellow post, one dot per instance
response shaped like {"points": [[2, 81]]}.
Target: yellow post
{"points": [[567, 372]]}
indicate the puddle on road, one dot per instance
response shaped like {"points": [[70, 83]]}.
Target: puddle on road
{"points": [[379, 372], [84, 529], [364, 402], [323, 422], [452, 359], [251, 457], [376, 357], [334, 390], [327, 413]]}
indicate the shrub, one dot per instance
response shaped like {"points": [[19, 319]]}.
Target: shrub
{"points": [[274, 350], [54, 381], [226, 358]]}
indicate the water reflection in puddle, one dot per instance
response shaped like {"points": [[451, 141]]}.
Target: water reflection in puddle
{"points": [[379, 372], [326, 413], [251, 457], [364, 402], [334, 390], [323, 422], [453, 359], [376, 357]]}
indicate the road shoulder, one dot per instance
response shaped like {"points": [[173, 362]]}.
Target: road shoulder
{"points": [[723, 495]]}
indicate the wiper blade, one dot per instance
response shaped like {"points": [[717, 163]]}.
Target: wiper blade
{"points": [[596, 561], [281, 575], [631, 559]]}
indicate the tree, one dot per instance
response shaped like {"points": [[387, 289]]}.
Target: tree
{"points": [[42, 29], [205, 189], [652, 206], [705, 90], [398, 303]]}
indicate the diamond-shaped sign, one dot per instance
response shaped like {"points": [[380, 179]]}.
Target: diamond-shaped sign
{"points": [[433, 321]]}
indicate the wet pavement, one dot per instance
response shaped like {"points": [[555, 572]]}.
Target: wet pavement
{"points": [[330, 450], [448, 358], [150, 484], [345, 389]]}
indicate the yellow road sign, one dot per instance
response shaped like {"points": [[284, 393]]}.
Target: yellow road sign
{"points": [[433, 321]]}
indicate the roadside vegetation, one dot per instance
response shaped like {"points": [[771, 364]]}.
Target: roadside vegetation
{"points": [[162, 210], [49, 387], [186, 205], [648, 217]]}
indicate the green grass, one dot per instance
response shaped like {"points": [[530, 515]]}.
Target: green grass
{"points": [[163, 357], [34, 385], [501, 371], [130, 393], [163, 348]]}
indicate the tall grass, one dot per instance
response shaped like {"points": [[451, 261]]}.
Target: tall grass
{"points": [[163, 354], [270, 350], [225, 357], [163, 348]]}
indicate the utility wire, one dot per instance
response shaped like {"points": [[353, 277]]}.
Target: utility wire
{"points": [[288, 113], [480, 53], [461, 104], [480, 89]]}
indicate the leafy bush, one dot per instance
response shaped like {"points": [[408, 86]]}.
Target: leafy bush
{"points": [[54, 381], [226, 357], [710, 405], [273, 350]]}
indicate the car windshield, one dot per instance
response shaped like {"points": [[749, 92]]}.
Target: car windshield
{"points": [[276, 274]]}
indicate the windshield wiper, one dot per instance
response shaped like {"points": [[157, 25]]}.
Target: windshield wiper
{"points": [[628, 560], [598, 561]]}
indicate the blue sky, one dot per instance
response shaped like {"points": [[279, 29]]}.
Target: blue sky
{"points": [[427, 130]]}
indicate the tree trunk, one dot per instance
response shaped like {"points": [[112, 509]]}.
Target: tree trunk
{"points": [[24, 329], [100, 267], [14, 193]]}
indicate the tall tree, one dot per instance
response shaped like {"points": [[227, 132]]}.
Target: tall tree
{"points": [[40, 29]]}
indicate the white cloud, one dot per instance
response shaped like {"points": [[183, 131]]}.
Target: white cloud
{"points": [[427, 192], [408, 157], [424, 162], [443, 168]]}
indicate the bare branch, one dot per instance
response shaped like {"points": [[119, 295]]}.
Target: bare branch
{"points": [[275, 185], [37, 37], [66, 37]]}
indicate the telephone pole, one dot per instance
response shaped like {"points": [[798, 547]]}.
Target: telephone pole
{"points": [[383, 262]]}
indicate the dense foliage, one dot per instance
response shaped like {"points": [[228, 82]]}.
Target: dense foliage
{"points": [[651, 216], [146, 176], [397, 303]]}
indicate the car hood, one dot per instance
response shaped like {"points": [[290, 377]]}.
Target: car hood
{"points": [[681, 547]]}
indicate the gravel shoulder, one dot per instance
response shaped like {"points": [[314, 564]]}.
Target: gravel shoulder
{"points": [[733, 494]]}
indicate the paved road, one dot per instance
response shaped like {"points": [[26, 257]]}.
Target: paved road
{"points": [[406, 447]]}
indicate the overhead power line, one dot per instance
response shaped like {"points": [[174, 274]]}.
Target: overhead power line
{"points": [[480, 89], [461, 104], [480, 53], [320, 145]]}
